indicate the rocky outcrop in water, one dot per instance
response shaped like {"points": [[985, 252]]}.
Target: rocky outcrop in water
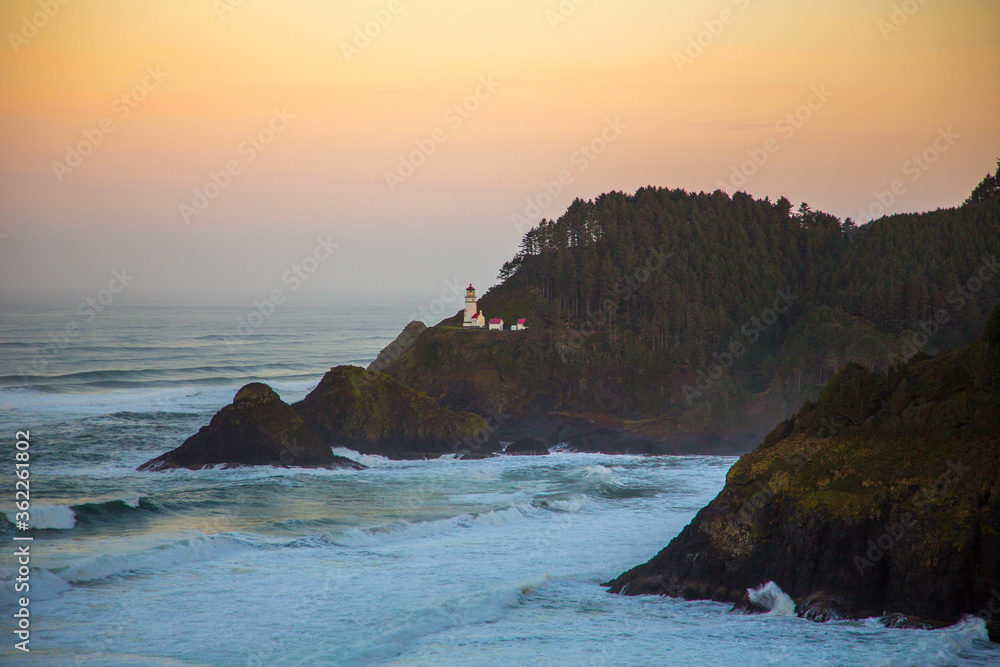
{"points": [[375, 414], [526, 447], [880, 499], [351, 407], [257, 429]]}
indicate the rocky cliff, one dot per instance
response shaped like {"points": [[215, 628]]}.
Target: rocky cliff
{"points": [[375, 414], [520, 383], [882, 498], [258, 428], [351, 407]]}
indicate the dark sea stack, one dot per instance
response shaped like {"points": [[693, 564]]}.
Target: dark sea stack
{"points": [[526, 447], [404, 341], [880, 499], [258, 429], [375, 414]]}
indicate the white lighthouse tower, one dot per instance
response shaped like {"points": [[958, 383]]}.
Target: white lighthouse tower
{"points": [[471, 308]]}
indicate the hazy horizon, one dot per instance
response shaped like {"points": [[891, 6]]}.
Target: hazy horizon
{"points": [[678, 97]]}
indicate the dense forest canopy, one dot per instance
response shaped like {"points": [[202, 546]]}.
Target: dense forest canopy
{"points": [[670, 279]]}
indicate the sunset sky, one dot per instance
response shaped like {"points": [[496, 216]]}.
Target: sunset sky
{"points": [[674, 94]]}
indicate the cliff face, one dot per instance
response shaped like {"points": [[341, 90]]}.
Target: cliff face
{"points": [[527, 389], [882, 498], [375, 414]]}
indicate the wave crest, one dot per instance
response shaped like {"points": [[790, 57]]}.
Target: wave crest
{"points": [[47, 517], [770, 597]]}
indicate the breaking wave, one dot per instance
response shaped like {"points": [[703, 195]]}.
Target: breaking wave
{"points": [[404, 530], [66, 517], [200, 548], [770, 597]]}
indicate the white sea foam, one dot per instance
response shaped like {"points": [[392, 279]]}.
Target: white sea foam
{"points": [[573, 504], [445, 614], [948, 646], [404, 530], [158, 558], [769, 596], [369, 460], [482, 498], [498, 517], [133, 501], [42, 517], [596, 475]]}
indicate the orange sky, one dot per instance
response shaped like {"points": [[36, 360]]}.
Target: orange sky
{"points": [[686, 117]]}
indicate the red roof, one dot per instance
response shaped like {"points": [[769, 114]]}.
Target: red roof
{"points": [[496, 321], [521, 321], [470, 287]]}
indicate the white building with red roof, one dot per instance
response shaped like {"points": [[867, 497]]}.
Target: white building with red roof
{"points": [[473, 318]]}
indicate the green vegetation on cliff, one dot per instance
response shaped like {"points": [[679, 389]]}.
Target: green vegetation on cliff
{"points": [[714, 311], [883, 496], [376, 414]]}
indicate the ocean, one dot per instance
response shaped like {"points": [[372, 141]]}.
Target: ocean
{"points": [[442, 562]]}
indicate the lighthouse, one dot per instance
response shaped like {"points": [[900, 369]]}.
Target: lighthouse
{"points": [[471, 307]]}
